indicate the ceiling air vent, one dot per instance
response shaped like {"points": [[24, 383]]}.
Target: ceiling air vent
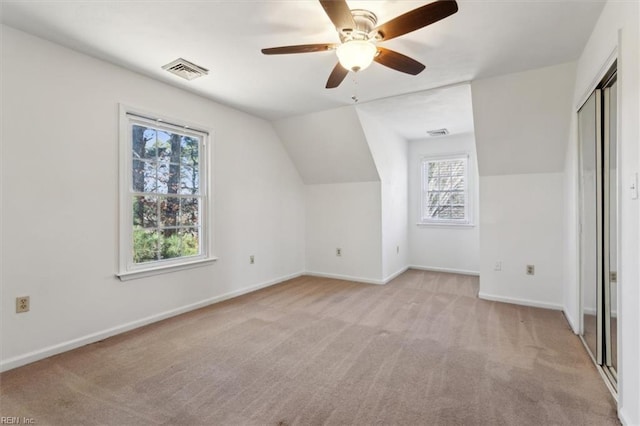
{"points": [[185, 69], [438, 132]]}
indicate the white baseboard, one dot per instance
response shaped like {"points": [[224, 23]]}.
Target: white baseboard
{"points": [[624, 419], [517, 301], [345, 277], [447, 270], [395, 275], [39, 354]]}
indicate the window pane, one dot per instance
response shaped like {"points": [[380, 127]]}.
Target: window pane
{"points": [[169, 211], [444, 213], [170, 244], [189, 151], [143, 176], [145, 245], [445, 168], [433, 184], [145, 211], [457, 183], [457, 198], [143, 142], [190, 239], [189, 211], [168, 177], [457, 213], [457, 168], [445, 198], [444, 183], [432, 212], [434, 198], [164, 145], [189, 179]]}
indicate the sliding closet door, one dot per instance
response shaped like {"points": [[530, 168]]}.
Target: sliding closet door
{"points": [[611, 228], [590, 223]]}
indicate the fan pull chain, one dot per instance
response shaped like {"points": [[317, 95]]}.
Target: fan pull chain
{"points": [[354, 97]]}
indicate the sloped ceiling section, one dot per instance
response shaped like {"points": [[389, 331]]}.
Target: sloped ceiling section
{"points": [[328, 146], [522, 120]]}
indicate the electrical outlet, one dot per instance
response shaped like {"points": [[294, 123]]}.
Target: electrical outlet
{"points": [[252, 259], [22, 304], [497, 266], [531, 270], [397, 249], [338, 252]]}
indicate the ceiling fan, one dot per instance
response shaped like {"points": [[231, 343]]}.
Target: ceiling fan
{"points": [[359, 36]]}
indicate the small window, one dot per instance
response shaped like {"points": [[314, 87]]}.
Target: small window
{"points": [[445, 191], [164, 196]]}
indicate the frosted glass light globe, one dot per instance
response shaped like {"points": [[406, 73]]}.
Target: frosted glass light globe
{"points": [[356, 55]]}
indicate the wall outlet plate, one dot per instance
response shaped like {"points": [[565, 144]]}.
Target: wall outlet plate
{"points": [[252, 259], [531, 270], [498, 266], [338, 252], [22, 304]]}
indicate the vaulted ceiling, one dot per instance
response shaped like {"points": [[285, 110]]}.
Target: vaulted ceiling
{"points": [[485, 38]]}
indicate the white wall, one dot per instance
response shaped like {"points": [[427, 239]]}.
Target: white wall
{"points": [[446, 248], [616, 30], [521, 224], [59, 201], [345, 216], [389, 151], [522, 123]]}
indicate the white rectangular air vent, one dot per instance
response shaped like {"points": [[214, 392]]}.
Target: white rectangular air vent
{"points": [[185, 69], [438, 132]]}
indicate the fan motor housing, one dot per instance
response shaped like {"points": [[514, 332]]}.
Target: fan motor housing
{"points": [[365, 23]]}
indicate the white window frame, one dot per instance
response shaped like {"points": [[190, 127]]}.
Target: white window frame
{"points": [[127, 269], [468, 197]]}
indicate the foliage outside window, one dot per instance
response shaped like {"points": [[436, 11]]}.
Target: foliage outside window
{"points": [[445, 196], [164, 195]]}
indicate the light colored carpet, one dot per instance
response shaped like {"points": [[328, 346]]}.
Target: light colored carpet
{"points": [[421, 350]]}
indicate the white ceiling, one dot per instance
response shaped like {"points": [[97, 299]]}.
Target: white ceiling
{"points": [[413, 114], [484, 38]]}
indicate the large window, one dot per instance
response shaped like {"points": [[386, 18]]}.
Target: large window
{"points": [[445, 190], [164, 196]]}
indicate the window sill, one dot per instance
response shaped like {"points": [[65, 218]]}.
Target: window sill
{"points": [[148, 272], [444, 225]]}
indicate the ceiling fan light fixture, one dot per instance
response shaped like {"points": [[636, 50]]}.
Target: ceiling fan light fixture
{"points": [[356, 55]]}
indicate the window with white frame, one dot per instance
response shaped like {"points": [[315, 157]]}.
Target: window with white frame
{"points": [[445, 190], [164, 196]]}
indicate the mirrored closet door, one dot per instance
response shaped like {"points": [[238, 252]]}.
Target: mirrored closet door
{"points": [[598, 214]]}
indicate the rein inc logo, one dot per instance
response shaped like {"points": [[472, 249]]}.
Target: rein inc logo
{"points": [[7, 420]]}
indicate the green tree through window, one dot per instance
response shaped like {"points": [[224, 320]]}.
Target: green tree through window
{"points": [[165, 194]]}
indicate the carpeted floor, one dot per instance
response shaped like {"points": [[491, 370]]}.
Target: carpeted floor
{"points": [[421, 350]]}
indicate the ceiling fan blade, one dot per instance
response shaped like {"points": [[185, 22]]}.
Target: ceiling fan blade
{"points": [[339, 13], [301, 48], [337, 75], [398, 61], [417, 18]]}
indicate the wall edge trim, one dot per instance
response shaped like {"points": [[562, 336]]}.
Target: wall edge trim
{"points": [[396, 274], [575, 329], [446, 270], [39, 354], [523, 302], [361, 280]]}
